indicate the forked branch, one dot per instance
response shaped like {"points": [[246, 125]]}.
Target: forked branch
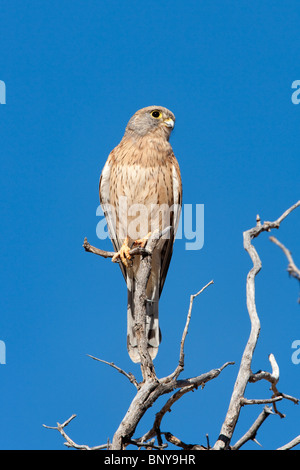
{"points": [[244, 373], [151, 387], [292, 269]]}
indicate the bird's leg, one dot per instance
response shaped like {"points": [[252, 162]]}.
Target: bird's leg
{"points": [[123, 254], [141, 242]]}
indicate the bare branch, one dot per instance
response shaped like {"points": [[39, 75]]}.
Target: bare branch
{"points": [[69, 442], [290, 444], [129, 375], [267, 226], [277, 396], [148, 445], [185, 331], [272, 377], [109, 254], [245, 373], [262, 401], [202, 379], [180, 366], [152, 388], [146, 251], [289, 397], [292, 269], [251, 433], [184, 387], [92, 249], [177, 442]]}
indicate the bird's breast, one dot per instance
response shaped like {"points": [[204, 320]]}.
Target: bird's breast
{"points": [[143, 184]]}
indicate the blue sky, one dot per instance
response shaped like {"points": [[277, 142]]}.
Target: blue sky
{"points": [[75, 72]]}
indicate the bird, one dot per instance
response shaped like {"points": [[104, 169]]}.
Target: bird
{"points": [[142, 176]]}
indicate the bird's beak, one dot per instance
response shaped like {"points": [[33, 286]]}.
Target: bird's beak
{"points": [[169, 122]]}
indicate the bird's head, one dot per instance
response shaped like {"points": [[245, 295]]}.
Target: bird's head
{"points": [[150, 120]]}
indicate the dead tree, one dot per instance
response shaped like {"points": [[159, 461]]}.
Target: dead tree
{"points": [[152, 387]]}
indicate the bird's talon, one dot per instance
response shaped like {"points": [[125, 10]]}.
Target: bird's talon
{"points": [[123, 254], [141, 242]]}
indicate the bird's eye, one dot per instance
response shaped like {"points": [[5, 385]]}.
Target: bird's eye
{"points": [[156, 114]]}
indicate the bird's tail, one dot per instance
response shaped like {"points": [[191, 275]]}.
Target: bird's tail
{"points": [[153, 334]]}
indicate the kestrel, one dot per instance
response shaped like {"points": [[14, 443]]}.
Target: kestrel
{"points": [[141, 192]]}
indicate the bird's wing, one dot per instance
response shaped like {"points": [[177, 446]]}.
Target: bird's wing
{"points": [[167, 249], [110, 215]]}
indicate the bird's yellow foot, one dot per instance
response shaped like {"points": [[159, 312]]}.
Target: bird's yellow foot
{"points": [[123, 254], [141, 242]]}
